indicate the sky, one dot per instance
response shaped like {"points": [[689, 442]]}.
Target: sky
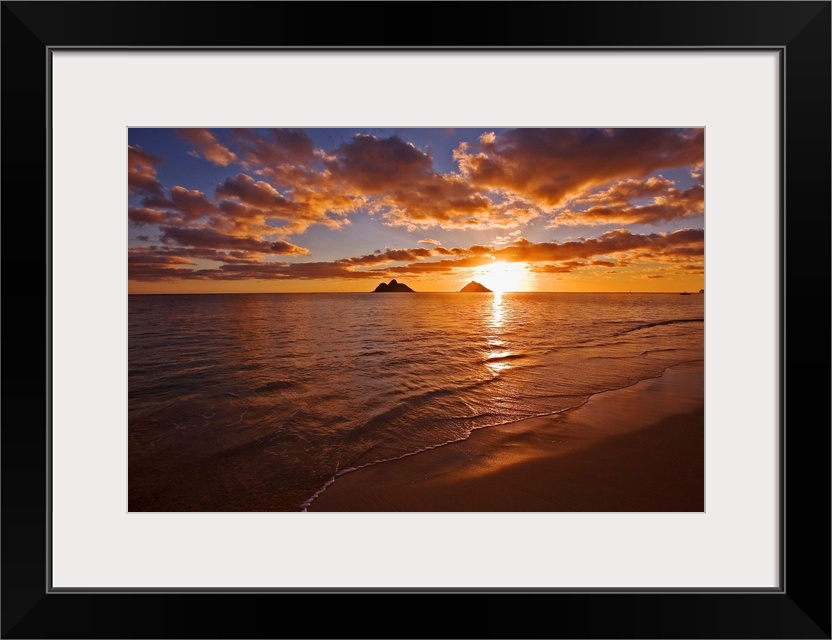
{"points": [[315, 210]]}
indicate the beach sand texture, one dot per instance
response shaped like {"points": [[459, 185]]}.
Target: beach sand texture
{"points": [[640, 448]]}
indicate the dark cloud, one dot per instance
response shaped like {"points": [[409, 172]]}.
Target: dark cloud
{"points": [[275, 147], [212, 239], [256, 193], [191, 204], [141, 172], [144, 256], [547, 167], [145, 215], [380, 165]]}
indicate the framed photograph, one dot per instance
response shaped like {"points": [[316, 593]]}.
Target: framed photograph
{"points": [[567, 176], [267, 373]]}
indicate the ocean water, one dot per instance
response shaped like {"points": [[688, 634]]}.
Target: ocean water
{"points": [[256, 402]]}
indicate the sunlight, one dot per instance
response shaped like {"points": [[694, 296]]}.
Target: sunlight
{"points": [[501, 277], [497, 310]]}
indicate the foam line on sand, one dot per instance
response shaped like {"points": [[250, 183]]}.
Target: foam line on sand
{"points": [[640, 448]]}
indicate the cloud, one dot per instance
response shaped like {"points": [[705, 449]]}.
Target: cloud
{"points": [[509, 237], [553, 257], [388, 177], [442, 266], [245, 189], [275, 147], [379, 165], [621, 193], [141, 172], [547, 167], [207, 144], [142, 256], [566, 267], [191, 204], [243, 258], [394, 178], [504, 182], [611, 242], [614, 205], [145, 215], [208, 238]]}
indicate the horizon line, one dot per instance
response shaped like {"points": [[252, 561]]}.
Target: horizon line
{"points": [[245, 293]]}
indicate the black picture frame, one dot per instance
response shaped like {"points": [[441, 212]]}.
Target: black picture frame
{"points": [[799, 608]]}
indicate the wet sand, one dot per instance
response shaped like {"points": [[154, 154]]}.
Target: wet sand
{"points": [[635, 449]]}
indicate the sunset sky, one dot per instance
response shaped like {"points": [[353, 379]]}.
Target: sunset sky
{"points": [[261, 210]]}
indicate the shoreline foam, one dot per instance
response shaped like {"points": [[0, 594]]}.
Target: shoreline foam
{"points": [[639, 448]]}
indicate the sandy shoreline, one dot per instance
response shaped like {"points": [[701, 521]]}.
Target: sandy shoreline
{"points": [[635, 449]]}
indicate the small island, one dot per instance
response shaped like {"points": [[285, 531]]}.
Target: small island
{"points": [[475, 287], [393, 287]]}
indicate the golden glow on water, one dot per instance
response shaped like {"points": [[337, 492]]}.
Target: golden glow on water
{"points": [[497, 347], [497, 310], [293, 388]]}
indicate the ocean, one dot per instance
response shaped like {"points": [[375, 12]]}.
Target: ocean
{"points": [[255, 402]]}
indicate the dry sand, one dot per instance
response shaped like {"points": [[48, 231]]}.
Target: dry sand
{"points": [[635, 449]]}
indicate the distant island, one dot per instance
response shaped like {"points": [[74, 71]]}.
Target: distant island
{"points": [[474, 287], [701, 291], [393, 287]]}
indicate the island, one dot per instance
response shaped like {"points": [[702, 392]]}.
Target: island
{"points": [[393, 287], [701, 291], [474, 287]]}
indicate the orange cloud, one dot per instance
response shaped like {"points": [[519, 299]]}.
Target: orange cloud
{"points": [[614, 206], [547, 167], [396, 179], [242, 257], [508, 181], [505, 181], [207, 144]]}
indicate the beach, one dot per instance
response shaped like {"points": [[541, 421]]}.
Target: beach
{"points": [[256, 402], [638, 448]]}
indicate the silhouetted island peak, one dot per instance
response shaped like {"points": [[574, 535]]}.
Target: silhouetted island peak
{"points": [[393, 287], [474, 287]]}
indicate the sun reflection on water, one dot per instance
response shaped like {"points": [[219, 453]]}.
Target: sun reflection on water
{"points": [[498, 351], [497, 310]]}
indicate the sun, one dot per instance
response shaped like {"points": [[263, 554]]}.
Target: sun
{"points": [[502, 277]]}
